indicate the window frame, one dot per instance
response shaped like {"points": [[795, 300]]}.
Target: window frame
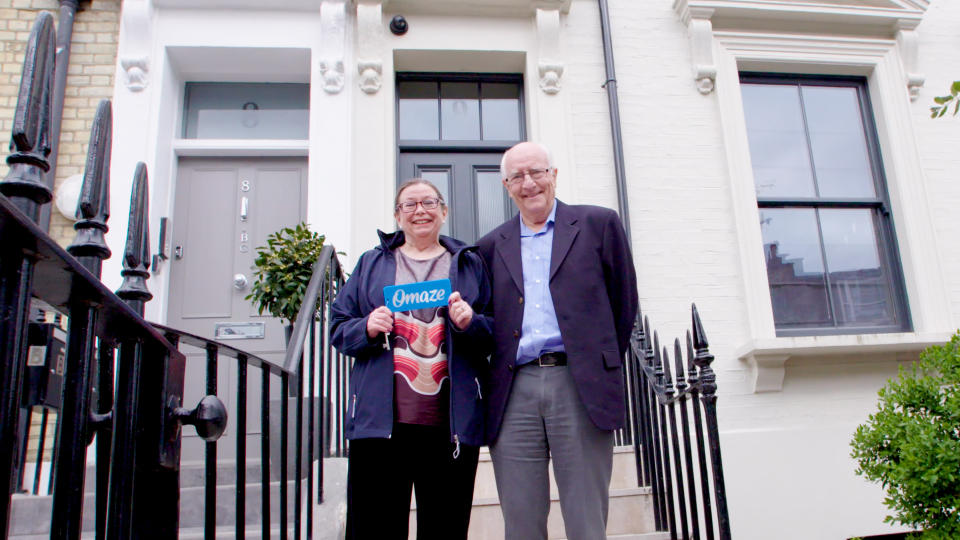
{"points": [[886, 238]]}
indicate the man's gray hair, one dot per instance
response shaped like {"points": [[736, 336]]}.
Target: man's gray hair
{"points": [[503, 160]]}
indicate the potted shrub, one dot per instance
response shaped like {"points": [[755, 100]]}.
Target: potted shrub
{"points": [[282, 271], [911, 445]]}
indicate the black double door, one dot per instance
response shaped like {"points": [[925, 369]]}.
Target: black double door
{"points": [[470, 183]]}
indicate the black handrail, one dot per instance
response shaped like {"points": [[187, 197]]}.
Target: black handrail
{"points": [[688, 492], [311, 335]]}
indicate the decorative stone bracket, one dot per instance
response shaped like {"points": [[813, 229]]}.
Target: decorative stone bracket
{"points": [[548, 37], [371, 75], [135, 70], [135, 59], [333, 31], [370, 39]]}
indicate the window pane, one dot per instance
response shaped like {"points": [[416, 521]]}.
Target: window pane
{"points": [[246, 110], [501, 111], [491, 210], [778, 143], [795, 270], [838, 142], [858, 282], [460, 111], [419, 118], [440, 178]]}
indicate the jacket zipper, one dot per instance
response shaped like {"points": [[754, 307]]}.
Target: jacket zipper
{"points": [[456, 450], [479, 393], [353, 411]]}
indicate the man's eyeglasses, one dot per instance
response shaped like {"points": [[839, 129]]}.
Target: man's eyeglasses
{"points": [[430, 203], [535, 174]]}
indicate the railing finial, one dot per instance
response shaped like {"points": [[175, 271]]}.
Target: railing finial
{"points": [[136, 255], [30, 141], [90, 246]]}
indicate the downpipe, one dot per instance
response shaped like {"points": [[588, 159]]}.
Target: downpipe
{"points": [[614, 103]]}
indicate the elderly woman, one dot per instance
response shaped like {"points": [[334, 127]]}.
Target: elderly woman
{"points": [[415, 417]]}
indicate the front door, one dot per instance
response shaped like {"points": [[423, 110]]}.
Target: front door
{"points": [[225, 208], [469, 182]]}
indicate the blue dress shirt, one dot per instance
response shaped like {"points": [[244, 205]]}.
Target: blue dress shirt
{"points": [[540, 331]]}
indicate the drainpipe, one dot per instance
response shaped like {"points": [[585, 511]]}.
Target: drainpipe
{"points": [[68, 9], [611, 86]]}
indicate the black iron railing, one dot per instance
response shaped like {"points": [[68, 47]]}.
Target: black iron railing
{"points": [[666, 404], [310, 337]]}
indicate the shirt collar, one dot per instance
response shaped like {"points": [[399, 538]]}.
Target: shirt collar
{"points": [[527, 231]]}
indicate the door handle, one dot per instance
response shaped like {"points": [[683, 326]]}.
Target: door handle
{"points": [[244, 208], [239, 282]]}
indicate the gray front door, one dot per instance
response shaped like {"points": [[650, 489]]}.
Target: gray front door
{"points": [[225, 208], [469, 182]]}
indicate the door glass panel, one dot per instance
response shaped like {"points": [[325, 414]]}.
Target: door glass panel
{"points": [[460, 111], [440, 177], [246, 110], [778, 142], [419, 118], [837, 142], [500, 109], [491, 210], [791, 244], [858, 282]]}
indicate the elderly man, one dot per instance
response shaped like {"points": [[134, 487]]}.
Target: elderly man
{"points": [[565, 298]]}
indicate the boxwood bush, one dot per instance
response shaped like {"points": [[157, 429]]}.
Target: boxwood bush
{"points": [[911, 444]]}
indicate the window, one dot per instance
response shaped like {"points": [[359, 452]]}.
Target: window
{"points": [[831, 258], [452, 130], [246, 110]]}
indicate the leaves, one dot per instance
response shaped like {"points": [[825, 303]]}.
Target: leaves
{"points": [[944, 102], [911, 445], [283, 270]]}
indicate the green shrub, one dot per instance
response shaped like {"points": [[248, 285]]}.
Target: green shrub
{"points": [[911, 445], [283, 270]]}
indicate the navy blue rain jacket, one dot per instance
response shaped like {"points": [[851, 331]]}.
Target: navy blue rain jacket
{"points": [[370, 411]]}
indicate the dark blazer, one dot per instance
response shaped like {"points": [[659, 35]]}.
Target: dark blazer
{"points": [[594, 290]]}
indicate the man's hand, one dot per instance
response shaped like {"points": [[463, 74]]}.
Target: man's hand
{"points": [[460, 312], [379, 321]]}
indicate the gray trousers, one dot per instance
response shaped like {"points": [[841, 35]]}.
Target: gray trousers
{"points": [[545, 419]]}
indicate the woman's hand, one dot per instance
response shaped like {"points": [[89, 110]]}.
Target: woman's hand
{"points": [[460, 311], [380, 321]]}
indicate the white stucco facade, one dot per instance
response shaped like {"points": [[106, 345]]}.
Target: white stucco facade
{"points": [[788, 406]]}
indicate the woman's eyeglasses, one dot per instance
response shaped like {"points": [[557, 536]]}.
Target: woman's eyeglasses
{"points": [[430, 203]]}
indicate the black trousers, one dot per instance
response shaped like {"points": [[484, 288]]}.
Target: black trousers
{"points": [[382, 472]]}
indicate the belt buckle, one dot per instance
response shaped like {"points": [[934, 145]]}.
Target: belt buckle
{"points": [[547, 360]]}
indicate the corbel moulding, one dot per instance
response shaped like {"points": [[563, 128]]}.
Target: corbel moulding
{"points": [[495, 8], [881, 19], [253, 5]]}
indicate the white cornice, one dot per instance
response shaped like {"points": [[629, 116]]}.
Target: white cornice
{"points": [[498, 8], [875, 20]]}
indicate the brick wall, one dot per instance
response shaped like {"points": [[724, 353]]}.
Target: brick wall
{"points": [[89, 79]]}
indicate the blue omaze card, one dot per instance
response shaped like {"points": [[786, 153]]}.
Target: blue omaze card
{"points": [[425, 294]]}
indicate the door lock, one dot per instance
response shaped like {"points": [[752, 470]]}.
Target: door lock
{"points": [[239, 282], [178, 252]]}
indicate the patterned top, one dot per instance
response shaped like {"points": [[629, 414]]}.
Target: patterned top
{"points": [[421, 381]]}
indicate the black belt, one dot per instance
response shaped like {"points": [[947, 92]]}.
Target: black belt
{"points": [[550, 359]]}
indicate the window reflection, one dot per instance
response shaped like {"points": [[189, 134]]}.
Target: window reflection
{"points": [[795, 270], [460, 111], [419, 118]]}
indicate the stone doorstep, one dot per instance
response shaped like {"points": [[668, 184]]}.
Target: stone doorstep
{"points": [[631, 514]]}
